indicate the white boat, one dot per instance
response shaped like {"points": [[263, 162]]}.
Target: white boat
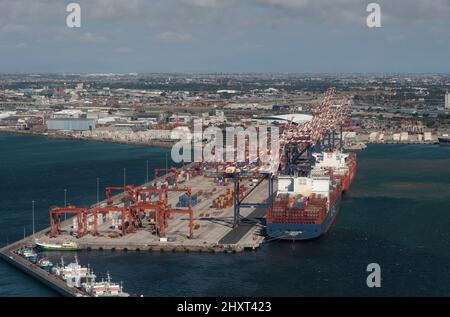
{"points": [[72, 273], [64, 246], [29, 254], [104, 288]]}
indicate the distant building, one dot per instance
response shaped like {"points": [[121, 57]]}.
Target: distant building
{"points": [[227, 92], [68, 113], [70, 124], [179, 119], [447, 100]]}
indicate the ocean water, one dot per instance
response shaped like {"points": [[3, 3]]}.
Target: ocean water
{"points": [[397, 214]]}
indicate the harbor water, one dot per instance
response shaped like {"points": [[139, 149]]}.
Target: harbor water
{"points": [[397, 214]]}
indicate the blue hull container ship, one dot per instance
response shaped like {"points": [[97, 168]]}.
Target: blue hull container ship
{"points": [[304, 208]]}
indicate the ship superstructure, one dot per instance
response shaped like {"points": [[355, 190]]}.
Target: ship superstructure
{"points": [[104, 288]]}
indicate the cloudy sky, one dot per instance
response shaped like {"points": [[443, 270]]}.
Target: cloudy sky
{"points": [[224, 36]]}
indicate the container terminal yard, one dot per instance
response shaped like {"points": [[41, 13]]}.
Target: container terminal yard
{"points": [[208, 207]]}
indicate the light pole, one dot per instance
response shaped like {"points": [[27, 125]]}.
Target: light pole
{"points": [[124, 178], [32, 208], [65, 202], [146, 178], [167, 164], [98, 190]]}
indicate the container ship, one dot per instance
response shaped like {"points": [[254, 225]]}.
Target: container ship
{"points": [[304, 208]]}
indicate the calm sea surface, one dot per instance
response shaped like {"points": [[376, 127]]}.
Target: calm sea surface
{"points": [[397, 214]]}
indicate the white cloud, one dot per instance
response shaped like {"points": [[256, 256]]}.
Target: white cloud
{"points": [[89, 37], [115, 9], [72, 36], [124, 49], [209, 3], [13, 28], [174, 37]]}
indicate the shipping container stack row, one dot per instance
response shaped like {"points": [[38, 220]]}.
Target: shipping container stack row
{"points": [[298, 209], [183, 200], [187, 175], [226, 200], [223, 182], [195, 171], [209, 194]]}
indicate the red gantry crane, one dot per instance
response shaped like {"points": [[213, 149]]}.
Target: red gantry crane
{"points": [[172, 171], [150, 202], [105, 211], [55, 220], [168, 212], [129, 190]]}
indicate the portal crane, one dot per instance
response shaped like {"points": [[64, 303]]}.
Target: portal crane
{"points": [[105, 211], [129, 190], [171, 170], [55, 220]]}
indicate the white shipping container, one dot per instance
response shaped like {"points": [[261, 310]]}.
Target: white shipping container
{"points": [[404, 136], [99, 219], [373, 136]]}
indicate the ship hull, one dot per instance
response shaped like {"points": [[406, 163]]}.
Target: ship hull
{"points": [[47, 268], [43, 247], [304, 231], [444, 141]]}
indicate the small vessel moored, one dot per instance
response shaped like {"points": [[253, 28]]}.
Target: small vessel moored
{"points": [[29, 254], [64, 246], [104, 288], [45, 264], [72, 272], [83, 278]]}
